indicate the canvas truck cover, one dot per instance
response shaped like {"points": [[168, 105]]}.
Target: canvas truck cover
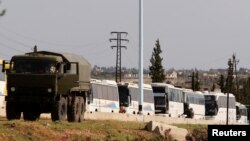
{"points": [[84, 65]]}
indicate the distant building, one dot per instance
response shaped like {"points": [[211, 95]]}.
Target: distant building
{"points": [[172, 75], [135, 75], [131, 75], [211, 75]]}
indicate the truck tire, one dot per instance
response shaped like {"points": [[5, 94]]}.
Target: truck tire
{"points": [[74, 109], [12, 111], [82, 109], [59, 111]]}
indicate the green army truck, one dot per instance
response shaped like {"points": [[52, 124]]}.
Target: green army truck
{"points": [[47, 82]]}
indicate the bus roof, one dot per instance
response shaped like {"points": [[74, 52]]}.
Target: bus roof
{"points": [[162, 85], [218, 94], [103, 82], [241, 106]]}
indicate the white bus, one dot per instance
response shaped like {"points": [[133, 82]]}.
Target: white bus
{"points": [[194, 104], [216, 107], [168, 99], [2, 91], [241, 113], [103, 96], [129, 96]]}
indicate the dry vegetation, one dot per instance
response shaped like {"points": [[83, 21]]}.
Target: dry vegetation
{"points": [[45, 130], [89, 130]]}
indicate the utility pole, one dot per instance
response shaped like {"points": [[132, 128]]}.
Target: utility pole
{"points": [[229, 84], [118, 40], [141, 94]]}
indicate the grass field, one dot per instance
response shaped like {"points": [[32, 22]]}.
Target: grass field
{"points": [[90, 130]]}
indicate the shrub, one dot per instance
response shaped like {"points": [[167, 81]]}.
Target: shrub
{"points": [[198, 134]]}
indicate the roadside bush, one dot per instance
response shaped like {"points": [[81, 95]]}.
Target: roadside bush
{"points": [[198, 134]]}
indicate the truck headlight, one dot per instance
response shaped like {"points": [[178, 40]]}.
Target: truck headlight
{"points": [[12, 89], [49, 90]]}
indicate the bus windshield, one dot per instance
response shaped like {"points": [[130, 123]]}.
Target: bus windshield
{"points": [[123, 96], [159, 100], [33, 66], [211, 106]]}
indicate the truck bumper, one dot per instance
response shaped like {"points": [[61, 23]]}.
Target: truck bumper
{"points": [[29, 99]]}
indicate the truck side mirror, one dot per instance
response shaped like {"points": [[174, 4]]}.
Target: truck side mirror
{"points": [[5, 65]]}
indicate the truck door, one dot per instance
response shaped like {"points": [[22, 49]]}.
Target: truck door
{"points": [[68, 77]]}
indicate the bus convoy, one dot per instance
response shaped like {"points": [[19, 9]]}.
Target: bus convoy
{"points": [[160, 99]]}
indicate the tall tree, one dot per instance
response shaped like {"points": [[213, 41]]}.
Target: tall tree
{"points": [[3, 11], [245, 98], [230, 87], [221, 83], [195, 81], [156, 68], [213, 87]]}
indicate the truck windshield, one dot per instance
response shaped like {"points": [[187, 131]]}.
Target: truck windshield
{"points": [[33, 66]]}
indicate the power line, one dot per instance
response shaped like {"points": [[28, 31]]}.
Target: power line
{"points": [[213, 61], [9, 47], [118, 40], [15, 41], [3, 54], [49, 42]]}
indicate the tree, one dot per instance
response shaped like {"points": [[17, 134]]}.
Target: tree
{"points": [[230, 87], [246, 93], [195, 81], [3, 11], [156, 68], [221, 83], [213, 87]]}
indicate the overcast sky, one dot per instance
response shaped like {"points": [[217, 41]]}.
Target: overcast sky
{"points": [[200, 34]]}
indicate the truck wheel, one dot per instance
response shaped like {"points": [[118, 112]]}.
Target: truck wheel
{"points": [[31, 116], [12, 111], [59, 111], [74, 110], [82, 109]]}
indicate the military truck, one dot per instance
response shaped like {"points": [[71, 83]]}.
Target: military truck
{"points": [[47, 82]]}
